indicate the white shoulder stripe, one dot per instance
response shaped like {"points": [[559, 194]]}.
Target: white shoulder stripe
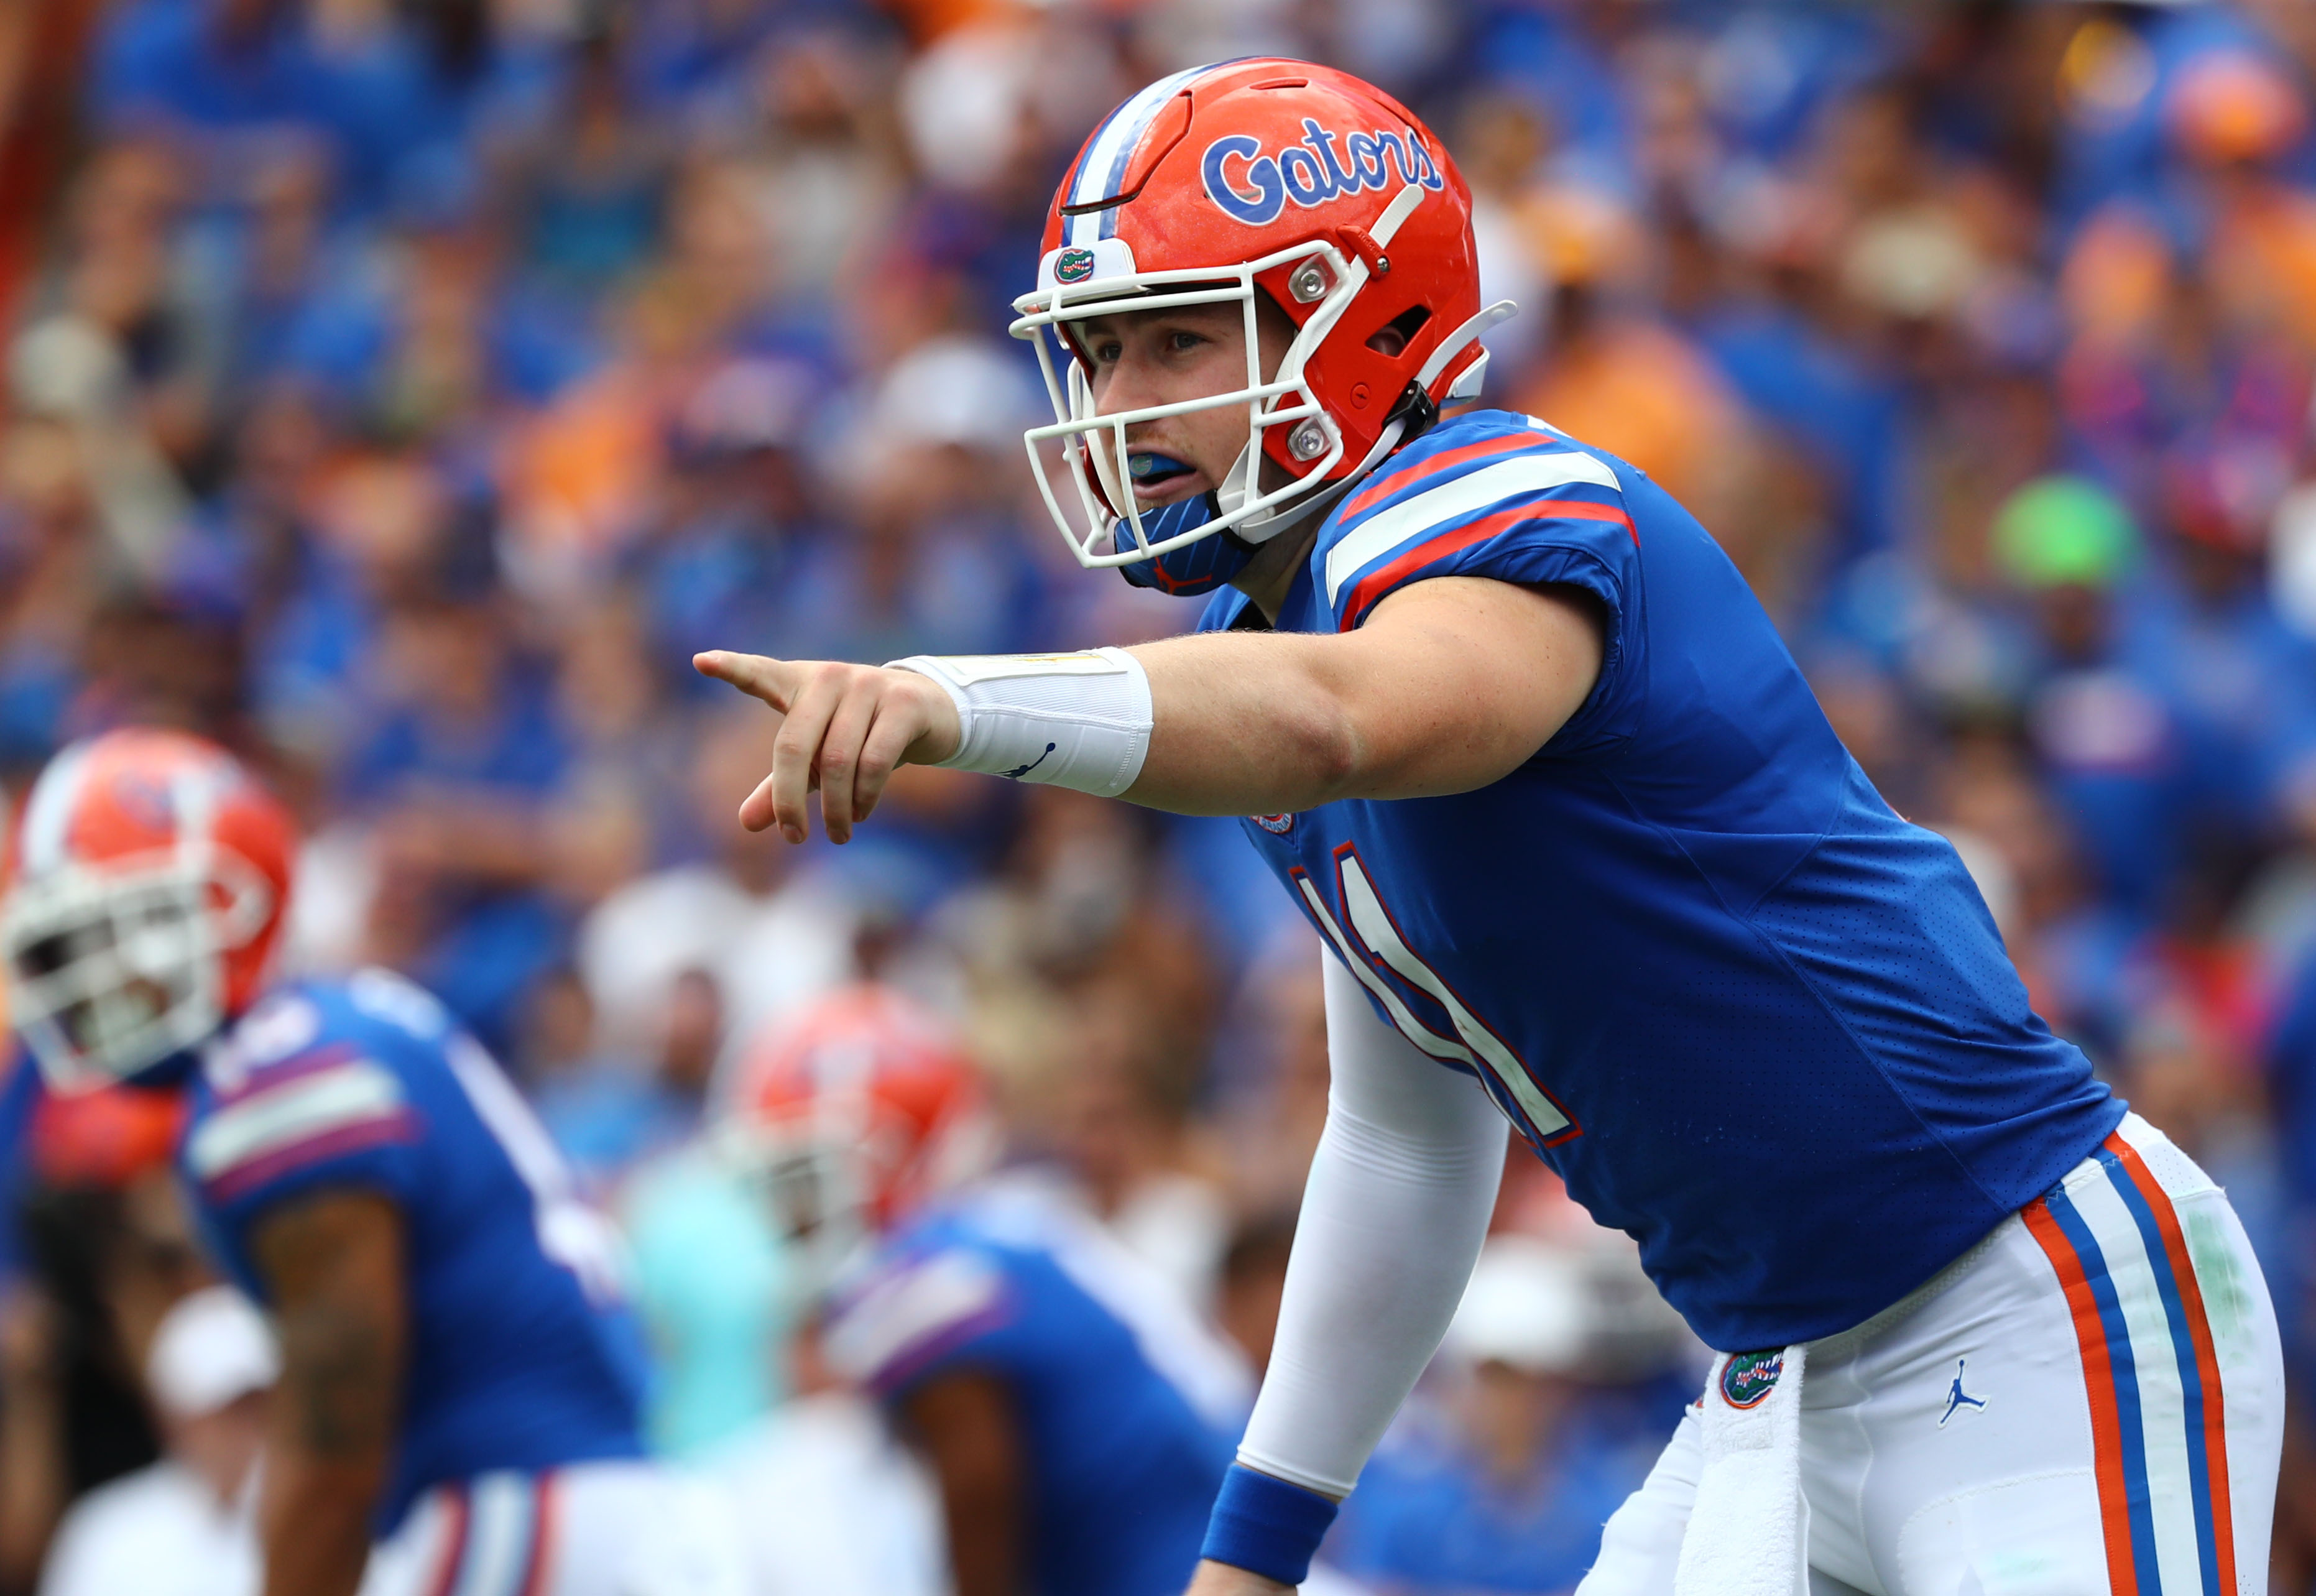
{"points": [[1386, 530], [906, 1312], [345, 1095]]}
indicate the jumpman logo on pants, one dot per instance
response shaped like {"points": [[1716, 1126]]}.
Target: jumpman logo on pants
{"points": [[1958, 1399]]}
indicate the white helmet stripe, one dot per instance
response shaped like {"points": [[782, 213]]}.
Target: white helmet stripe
{"points": [[1104, 166], [49, 810]]}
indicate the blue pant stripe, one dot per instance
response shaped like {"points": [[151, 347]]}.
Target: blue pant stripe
{"points": [[2183, 1351]]}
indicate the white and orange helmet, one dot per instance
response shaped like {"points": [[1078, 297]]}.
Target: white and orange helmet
{"points": [[149, 875], [1270, 176], [852, 1113]]}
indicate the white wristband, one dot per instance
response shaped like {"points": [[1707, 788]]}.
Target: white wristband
{"points": [[1080, 721]]}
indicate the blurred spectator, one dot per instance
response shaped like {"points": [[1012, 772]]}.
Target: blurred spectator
{"points": [[403, 393], [1617, 374], [228, 77], [184, 1524], [1267, 1142], [1121, 1123], [717, 1293], [459, 761], [1505, 1486], [831, 1502], [937, 561], [108, 1253], [770, 941], [2107, 734], [737, 511], [596, 189], [1250, 1282], [609, 1112]]}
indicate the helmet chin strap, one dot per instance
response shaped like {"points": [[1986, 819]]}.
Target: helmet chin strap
{"points": [[1238, 480]]}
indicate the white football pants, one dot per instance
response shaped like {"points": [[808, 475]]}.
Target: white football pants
{"points": [[590, 1530], [2091, 1402]]}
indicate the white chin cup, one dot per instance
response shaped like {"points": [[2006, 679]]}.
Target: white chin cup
{"points": [[1261, 528], [1231, 497]]}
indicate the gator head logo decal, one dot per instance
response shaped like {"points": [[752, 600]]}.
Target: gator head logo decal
{"points": [[1073, 265], [1253, 187], [1748, 1378]]}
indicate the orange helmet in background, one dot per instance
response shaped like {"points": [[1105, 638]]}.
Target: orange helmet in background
{"points": [[1273, 177], [150, 877], [854, 1112]]}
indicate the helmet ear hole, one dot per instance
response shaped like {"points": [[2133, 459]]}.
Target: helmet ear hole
{"points": [[1392, 339]]}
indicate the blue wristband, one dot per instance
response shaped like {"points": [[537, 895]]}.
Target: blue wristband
{"points": [[1266, 1526]]}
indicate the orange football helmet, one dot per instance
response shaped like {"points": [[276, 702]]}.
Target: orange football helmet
{"points": [[150, 872], [1262, 176], [853, 1113]]}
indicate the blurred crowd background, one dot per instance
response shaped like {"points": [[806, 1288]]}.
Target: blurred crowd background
{"points": [[400, 391]]}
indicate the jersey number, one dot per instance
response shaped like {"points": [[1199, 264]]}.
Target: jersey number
{"points": [[1474, 1046], [570, 1232]]}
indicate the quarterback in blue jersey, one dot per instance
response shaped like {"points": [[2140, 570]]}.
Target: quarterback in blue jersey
{"points": [[1588, 861], [1077, 1416], [459, 1379]]}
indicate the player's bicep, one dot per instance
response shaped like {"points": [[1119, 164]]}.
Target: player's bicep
{"points": [[332, 1265], [1456, 681]]}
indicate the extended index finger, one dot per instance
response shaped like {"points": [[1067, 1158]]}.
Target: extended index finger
{"points": [[776, 681]]}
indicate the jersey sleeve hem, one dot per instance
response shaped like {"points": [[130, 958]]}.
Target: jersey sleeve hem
{"points": [[247, 1210]]}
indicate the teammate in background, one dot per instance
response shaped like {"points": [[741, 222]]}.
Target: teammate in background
{"points": [[1076, 1415], [458, 1380], [1588, 859]]}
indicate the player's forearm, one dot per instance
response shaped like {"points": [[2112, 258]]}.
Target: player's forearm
{"points": [[317, 1521], [1246, 725], [33, 1487], [333, 1265], [1392, 1216], [1449, 685], [1391, 1222], [329, 1447]]}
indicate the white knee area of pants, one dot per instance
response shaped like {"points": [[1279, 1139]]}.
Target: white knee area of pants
{"points": [[1640, 1547], [1075, 720]]}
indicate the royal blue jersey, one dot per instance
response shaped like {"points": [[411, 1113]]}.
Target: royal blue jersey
{"points": [[1754, 1018], [1129, 1406], [522, 1356]]}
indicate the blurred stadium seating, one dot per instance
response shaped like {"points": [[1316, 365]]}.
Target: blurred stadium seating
{"points": [[400, 392]]}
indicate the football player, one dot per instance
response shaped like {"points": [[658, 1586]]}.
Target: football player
{"points": [[1076, 1415], [459, 1380], [1589, 862]]}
